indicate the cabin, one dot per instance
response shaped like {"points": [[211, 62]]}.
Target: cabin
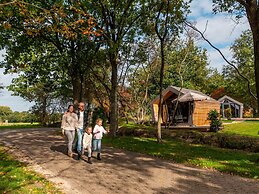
{"points": [[192, 109], [235, 106]]}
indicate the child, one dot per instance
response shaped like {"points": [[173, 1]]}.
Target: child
{"points": [[97, 138], [87, 142]]}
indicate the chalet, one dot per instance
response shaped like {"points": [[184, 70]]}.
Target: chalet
{"points": [[192, 110], [235, 106]]}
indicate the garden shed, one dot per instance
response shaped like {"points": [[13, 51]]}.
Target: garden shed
{"points": [[235, 107], [192, 110]]}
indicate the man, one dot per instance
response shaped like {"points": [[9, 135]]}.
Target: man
{"points": [[82, 123]]}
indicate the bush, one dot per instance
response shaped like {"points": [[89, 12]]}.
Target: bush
{"points": [[221, 140], [99, 113], [215, 122], [228, 113]]}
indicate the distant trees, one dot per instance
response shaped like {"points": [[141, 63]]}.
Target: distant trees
{"points": [[5, 111], [14, 117]]}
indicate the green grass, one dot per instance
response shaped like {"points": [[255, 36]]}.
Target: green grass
{"points": [[246, 128], [224, 160], [19, 125], [133, 125], [15, 177]]}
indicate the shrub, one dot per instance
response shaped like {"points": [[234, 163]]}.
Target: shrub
{"points": [[215, 122], [221, 140], [99, 113], [228, 113]]}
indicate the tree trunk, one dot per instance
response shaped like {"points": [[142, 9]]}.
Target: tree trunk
{"points": [[159, 133], [44, 111], [256, 66], [114, 97], [253, 18], [76, 88]]}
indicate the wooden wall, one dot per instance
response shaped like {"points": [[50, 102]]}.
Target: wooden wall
{"points": [[201, 110], [155, 112]]}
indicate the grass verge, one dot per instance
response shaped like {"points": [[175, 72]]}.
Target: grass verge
{"points": [[224, 160], [15, 177], [246, 128], [19, 125]]}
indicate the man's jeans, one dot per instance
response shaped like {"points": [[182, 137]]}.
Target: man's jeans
{"points": [[79, 140]]}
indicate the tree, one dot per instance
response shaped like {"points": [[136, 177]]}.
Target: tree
{"points": [[5, 111], [166, 22], [250, 8], [194, 69], [40, 78], [1, 87], [215, 84], [146, 63], [243, 58], [119, 21], [64, 25]]}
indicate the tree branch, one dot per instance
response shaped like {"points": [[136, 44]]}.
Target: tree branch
{"points": [[4, 4], [232, 65]]}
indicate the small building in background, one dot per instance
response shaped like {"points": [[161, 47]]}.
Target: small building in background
{"points": [[192, 110], [235, 106]]}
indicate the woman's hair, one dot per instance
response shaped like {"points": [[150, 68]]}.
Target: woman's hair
{"points": [[69, 107], [99, 119]]}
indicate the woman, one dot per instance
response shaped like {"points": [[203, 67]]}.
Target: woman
{"points": [[68, 126]]}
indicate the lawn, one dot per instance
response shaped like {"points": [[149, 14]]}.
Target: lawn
{"points": [[224, 160], [19, 125], [15, 177], [246, 128]]}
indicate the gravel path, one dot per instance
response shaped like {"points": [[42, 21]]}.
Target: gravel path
{"points": [[119, 171]]}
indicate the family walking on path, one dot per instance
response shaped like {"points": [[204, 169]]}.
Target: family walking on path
{"points": [[121, 172], [86, 137]]}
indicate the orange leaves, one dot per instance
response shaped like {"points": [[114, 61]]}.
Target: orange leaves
{"points": [[80, 22], [6, 25], [70, 22], [97, 34]]}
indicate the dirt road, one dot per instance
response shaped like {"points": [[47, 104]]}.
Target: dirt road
{"points": [[119, 171]]}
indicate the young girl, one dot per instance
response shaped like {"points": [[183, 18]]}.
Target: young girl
{"points": [[97, 137], [87, 142]]}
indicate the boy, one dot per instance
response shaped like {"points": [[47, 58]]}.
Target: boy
{"points": [[97, 138], [87, 142]]}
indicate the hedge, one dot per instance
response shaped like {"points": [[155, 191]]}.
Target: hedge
{"points": [[221, 140]]}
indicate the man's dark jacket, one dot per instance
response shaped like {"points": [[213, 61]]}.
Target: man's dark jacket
{"points": [[85, 122]]}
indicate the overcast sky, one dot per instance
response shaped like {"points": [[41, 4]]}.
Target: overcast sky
{"points": [[221, 31]]}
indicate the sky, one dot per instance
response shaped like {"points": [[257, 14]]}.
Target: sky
{"points": [[221, 30]]}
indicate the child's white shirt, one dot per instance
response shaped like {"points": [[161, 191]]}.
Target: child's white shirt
{"points": [[98, 132], [87, 140]]}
